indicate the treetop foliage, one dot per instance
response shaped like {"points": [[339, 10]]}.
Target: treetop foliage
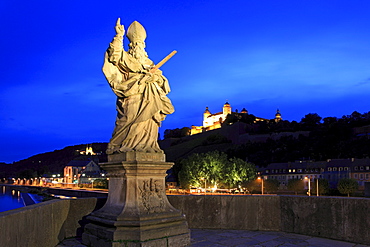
{"points": [[347, 186], [214, 169], [296, 185]]}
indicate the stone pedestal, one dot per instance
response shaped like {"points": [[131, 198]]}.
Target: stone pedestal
{"points": [[137, 212]]}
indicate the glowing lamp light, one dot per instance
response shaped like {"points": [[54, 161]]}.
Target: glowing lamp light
{"points": [[309, 186], [259, 178]]}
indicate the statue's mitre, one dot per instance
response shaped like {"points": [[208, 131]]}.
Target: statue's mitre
{"points": [[136, 32]]}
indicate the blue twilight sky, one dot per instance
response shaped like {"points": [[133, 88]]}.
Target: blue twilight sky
{"points": [[301, 56]]}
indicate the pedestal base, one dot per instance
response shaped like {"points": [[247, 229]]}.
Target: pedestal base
{"points": [[137, 211], [102, 236]]}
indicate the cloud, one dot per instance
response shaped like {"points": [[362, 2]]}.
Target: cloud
{"points": [[364, 82]]}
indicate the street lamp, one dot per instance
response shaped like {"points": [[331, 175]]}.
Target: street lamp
{"points": [[309, 186], [317, 187], [259, 178], [92, 183]]}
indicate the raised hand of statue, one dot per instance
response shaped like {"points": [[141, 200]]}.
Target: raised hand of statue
{"points": [[120, 30]]}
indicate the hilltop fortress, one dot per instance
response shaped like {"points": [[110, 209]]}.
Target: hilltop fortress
{"points": [[214, 121]]}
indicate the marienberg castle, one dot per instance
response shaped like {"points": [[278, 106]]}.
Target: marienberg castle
{"points": [[215, 120]]}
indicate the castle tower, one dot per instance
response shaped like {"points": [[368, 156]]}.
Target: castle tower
{"points": [[244, 111], [206, 115], [226, 109], [278, 116]]}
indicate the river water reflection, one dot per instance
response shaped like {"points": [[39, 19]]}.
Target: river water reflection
{"points": [[10, 198]]}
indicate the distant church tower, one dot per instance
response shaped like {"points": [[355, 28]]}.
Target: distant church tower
{"points": [[278, 117]]}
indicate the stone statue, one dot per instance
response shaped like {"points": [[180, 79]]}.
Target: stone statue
{"points": [[141, 91]]}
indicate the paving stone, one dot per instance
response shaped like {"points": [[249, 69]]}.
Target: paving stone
{"points": [[240, 238], [323, 242]]}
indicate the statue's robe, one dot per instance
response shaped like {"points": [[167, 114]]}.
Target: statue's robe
{"points": [[141, 104]]}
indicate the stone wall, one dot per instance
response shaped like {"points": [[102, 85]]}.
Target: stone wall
{"points": [[44, 224], [260, 213], [338, 218], [341, 218]]}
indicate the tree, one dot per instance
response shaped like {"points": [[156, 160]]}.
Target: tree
{"points": [[27, 173], [323, 186], [214, 169], [311, 121], [295, 185], [253, 186], [237, 172], [271, 185], [239, 117], [100, 183], [347, 186], [176, 133]]}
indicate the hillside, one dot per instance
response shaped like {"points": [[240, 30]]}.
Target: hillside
{"points": [[260, 143], [51, 162]]}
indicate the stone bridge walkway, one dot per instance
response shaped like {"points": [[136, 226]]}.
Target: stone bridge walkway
{"points": [[240, 238]]}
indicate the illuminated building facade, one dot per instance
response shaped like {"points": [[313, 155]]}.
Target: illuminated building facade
{"points": [[88, 151], [332, 169], [214, 121]]}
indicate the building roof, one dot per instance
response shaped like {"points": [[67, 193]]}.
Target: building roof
{"points": [[79, 163]]}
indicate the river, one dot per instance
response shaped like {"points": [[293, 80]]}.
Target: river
{"points": [[10, 198]]}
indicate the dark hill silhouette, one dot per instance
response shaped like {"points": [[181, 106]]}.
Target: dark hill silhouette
{"points": [[261, 143], [52, 162]]}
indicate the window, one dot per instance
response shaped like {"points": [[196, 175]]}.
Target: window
{"points": [[299, 170], [356, 168], [267, 171], [361, 176], [290, 170], [340, 168], [361, 168], [367, 168], [367, 176], [329, 169], [356, 175], [334, 169], [346, 168], [293, 170]]}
